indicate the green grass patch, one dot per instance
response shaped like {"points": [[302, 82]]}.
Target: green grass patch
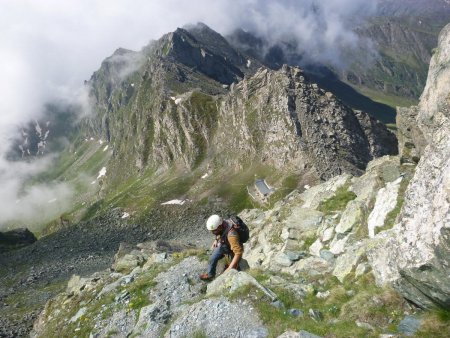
{"points": [[338, 202], [288, 184], [387, 99]]}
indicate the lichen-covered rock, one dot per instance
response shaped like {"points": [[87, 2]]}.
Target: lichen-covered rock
{"points": [[233, 280], [385, 202], [351, 217], [346, 262]]}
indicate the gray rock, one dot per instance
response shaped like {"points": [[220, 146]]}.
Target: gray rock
{"points": [[346, 262], [316, 247], [323, 295], [306, 334], [328, 234], [327, 255], [206, 317], [129, 261], [390, 172], [386, 201], [409, 325], [295, 255], [78, 315], [296, 312], [352, 216], [232, 280], [300, 334], [366, 187], [312, 265], [277, 304], [303, 219], [361, 269], [283, 259]]}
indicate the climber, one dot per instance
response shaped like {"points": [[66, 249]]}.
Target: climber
{"points": [[227, 243]]}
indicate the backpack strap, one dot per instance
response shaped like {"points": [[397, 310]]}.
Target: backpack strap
{"points": [[224, 237]]}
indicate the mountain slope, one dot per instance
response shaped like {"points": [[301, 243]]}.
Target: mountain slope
{"points": [[191, 97]]}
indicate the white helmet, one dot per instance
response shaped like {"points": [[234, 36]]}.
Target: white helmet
{"points": [[213, 222]]}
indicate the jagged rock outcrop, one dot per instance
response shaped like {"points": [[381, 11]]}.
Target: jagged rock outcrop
{"points": [[415, 256], [191, 98], [285, 120]]}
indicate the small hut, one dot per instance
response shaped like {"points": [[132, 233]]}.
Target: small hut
{"points": [[260, 191]]}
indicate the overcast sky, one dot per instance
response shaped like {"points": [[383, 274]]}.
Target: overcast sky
{"points": [[49, 47]]}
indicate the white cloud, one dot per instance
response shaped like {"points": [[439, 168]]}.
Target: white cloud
{"points": [[27, 204]]}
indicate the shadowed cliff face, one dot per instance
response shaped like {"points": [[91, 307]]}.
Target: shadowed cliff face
{"points": [[196, 99]]}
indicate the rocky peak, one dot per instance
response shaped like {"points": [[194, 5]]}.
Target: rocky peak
{"points": [[206, 51]]}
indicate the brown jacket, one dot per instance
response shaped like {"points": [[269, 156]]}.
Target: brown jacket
{"points": [[233, 242]]}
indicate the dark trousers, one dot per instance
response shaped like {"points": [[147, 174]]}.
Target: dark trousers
{"points": [[217, 254]]}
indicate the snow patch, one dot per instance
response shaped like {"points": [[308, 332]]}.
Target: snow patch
{"points": [[175, 99], [125, 215], [102, 172], [38, 129], [106, 148], [248, 63], [205, 176], [92, 139], [203, 52], [179, 202], [100, 141], [52, 200], [132, 85], [93, 182], [306, 187]]}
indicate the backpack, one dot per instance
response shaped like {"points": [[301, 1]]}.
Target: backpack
{"points": [[240, 226]]}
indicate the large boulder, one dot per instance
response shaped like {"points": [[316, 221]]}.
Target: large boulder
{"points": [[416, 256], [16, 238]]}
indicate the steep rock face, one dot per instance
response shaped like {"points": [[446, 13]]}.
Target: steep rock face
{"points": [[411, 142], [419, 248], [282, 118]]}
